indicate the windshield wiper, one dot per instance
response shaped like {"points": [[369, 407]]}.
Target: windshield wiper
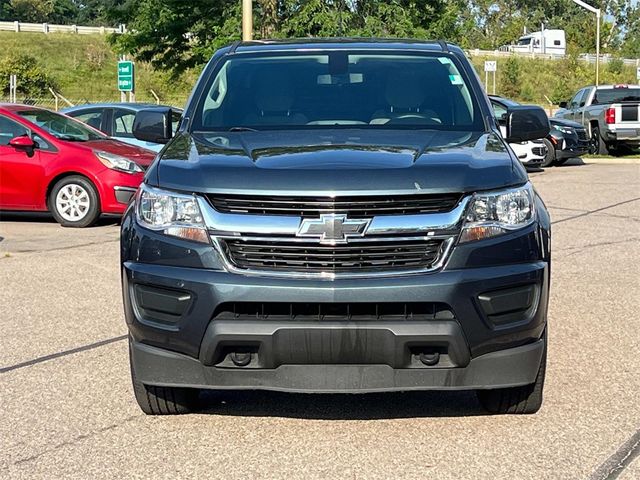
{"points": [[242, 129]]}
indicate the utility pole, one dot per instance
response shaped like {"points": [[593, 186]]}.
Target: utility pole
{"points": [[598, 14], [247, 20]]}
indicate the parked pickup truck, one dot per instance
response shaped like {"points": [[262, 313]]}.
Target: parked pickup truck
{"points": [[337, 216], [611, 113]]}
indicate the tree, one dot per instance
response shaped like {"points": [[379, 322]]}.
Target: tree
{"points": [[36, 11], [32, 78], [510, 82]]}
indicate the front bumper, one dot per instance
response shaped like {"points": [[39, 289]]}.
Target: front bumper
{"points": [[487, 341]]}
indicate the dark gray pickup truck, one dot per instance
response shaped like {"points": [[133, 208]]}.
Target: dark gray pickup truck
{"points": [[611, 113], [337, 216]]}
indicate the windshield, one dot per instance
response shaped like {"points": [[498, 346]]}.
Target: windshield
{"points": [[616, 95], [338, 89], [60, 126], [524, 41]]}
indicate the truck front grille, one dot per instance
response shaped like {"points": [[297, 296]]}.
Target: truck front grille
{"points": [[357, 206], [582, 134], [383, 254]]}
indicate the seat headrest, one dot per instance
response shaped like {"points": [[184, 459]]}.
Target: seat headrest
{"points": [[274, 93], [404, 90]]}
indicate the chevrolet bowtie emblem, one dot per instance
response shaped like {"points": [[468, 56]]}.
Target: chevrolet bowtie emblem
{"points": [[332, 228]]}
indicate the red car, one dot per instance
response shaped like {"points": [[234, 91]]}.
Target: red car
{"points": [[49, 161]]}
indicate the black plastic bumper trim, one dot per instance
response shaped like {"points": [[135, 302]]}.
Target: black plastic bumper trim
{"points": [[505, 368]]}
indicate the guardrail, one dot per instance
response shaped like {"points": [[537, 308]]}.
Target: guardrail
{"points": [[51, 28], [587, 57]]}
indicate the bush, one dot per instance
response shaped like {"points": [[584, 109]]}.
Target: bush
{"points": [[32, 78], [510, 82]]}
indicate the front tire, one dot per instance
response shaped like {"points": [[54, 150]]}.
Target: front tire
{"points": [[526, 399], [74, 202], [155, 400], [550, 157]]}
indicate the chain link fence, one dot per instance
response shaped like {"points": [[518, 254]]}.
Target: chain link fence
{"points": [[59, 102]]}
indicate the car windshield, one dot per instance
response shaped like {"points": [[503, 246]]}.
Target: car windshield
{"points": [[616, 95], [60, 126], [338, 90]]}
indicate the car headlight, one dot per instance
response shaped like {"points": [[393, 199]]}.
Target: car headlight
{"points": [[171, 213], [493, 213], [565, 130], [117, 162]]}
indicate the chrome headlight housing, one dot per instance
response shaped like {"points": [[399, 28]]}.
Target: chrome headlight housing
{"points": [[171, 213], [494, 213], [117, 162]]}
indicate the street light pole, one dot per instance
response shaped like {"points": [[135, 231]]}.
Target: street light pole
{"points": [[598, 13], [247, 20]]}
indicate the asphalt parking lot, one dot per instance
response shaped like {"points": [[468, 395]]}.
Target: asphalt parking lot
{"points": [[67, 408]]}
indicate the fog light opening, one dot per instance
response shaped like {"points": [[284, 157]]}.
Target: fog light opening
{"points": [[430, 358], [240, 359]]}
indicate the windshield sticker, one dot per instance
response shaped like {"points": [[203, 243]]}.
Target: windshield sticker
{"points": [[456, 80]]}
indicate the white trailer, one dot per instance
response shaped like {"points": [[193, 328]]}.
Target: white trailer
{"points": [[550, 41]]}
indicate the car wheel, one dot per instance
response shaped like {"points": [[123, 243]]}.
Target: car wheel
{"points": [[550, 157], [74, 202], [597, 144], [155, 400], [526, 399]]}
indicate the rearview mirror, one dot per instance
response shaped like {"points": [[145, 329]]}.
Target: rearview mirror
{"points": [[562, 104], [23, 143], [153, 125], [526, 122]]}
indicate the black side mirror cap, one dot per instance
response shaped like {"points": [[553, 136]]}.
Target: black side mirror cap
{"points": [[153, 125], [526, 122], [563, 104]]}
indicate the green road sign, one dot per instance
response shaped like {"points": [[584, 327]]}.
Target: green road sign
{"points": [[126, 77]]}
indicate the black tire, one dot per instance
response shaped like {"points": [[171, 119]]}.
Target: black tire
{"points": [[89, 212], [163, 400], [550, 157], [597, 144], [516, 400]]}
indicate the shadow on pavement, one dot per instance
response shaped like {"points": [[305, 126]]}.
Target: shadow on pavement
{"points": [[369, 406], [572, 162]]}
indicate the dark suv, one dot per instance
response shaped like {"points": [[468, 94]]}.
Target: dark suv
{"points": [[337, 216]]}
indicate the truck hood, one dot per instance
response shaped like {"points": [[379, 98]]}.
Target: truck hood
{"points": [[564, 123], [340, 161]]}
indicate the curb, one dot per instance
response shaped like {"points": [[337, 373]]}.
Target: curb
{"points": [[612, 161]]}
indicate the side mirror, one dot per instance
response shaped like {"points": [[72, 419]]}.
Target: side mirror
{"points": [[563, 104], [153, 125], [526, 122], [23, 143], [502, 119]]}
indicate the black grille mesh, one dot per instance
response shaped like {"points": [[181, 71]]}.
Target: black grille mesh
{"points": [[355, 206]]}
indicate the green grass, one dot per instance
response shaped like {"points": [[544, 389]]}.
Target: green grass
{"points": [[84, 67]]}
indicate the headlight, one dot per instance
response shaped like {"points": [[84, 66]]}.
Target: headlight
{"points": [[171, 213], [494, 213], [117, 162], [565, 130]]}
